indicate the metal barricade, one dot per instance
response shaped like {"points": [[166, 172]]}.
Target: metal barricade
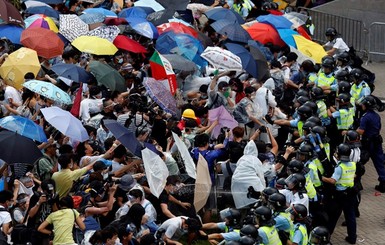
{"points": [[376, 41]]}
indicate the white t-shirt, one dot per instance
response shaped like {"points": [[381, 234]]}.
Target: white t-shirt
{"points": [[339, 44], [173, 228], [12, 93], [90, 106], [296, 199], [5, 217]]}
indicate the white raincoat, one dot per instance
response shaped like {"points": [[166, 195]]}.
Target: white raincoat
{"points": [[249, 172]]}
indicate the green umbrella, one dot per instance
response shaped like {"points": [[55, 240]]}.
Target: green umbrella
{"points": [[107, 76]]}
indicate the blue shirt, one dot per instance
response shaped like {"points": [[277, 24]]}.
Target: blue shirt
{"points": [[371, 123], [281, 223], [298, 237], [231, 235]]}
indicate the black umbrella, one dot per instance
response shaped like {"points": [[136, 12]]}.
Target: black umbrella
{"points": [[15, 148], [174, 4], [262, 65], [160, 17]]}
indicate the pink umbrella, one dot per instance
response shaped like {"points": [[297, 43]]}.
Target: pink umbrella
{"points": [[224, 118]]}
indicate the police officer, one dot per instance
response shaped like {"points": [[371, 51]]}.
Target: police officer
{"points": [[343, 62], [344, 197], [325, 78], [298, 235], [319, 236], [250, 231], [370, 127], [283, 222], [267, 230], [344, 114], [360, 88], [318, 96], [297, 166]]}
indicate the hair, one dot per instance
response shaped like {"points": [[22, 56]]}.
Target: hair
{"points": [[66, 202], [29, 75], [109, 142], [44, 184], [249, 90], [201, 140], [65, 149], [238, 132], [136, 193], [291, 57], [65, 160], [261, 146], [120, 151], [172, 180], [134, 215], [5, 195], [237, 82], [122, 232], [275, 64], [94, 90]]}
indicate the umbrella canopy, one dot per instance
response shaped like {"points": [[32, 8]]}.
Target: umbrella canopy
{"points": [[11, 32], [65, 122], [45, 42], [143, 27], [260, 58], [264, 50], [301, 57], [9, 14], [94, 45], [160, 94], [32, 3], [297, 22], [48, 11], [176, 5], [310, 48], [224, 118], [278, 22], [160, 17], [48, 90], [126, 43], [134, 12], [52, 1], [24, 127], [72, 72], [15, 148], [287, 36], [149, 3], [40, 20], [126, 137], [72, 27], [106, 32], [202, 184], [17, 64], [233, 31], [205, 40], [264, 33], [156, 171], [115, 21], [180, 63], [224, 13], [177, 28], [92, 18], [248, 62], [107, 76], [105, 12], [222, 59]]}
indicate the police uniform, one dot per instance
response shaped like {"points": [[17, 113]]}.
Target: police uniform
{"points": [[323, 113], [269, 235], [299, 235], [230, 233], [283, 221], [325, 80]]}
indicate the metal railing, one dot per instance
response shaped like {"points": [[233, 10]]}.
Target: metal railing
{"points": [[376, 40]]}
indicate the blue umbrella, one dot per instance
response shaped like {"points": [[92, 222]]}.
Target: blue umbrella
{"points": [[11, 32], [72, 72], [223, 13], [143, 27], [105, 12], [24, 127], [261, 48], [51, 1], [136, 12], [48, 90], [182, 44], [232, 30], [92, 18], [287, 36], [279, 22], [248, 62], [43, 10]]}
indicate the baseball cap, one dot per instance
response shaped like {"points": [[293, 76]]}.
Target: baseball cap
{"points": [[127, 182]]}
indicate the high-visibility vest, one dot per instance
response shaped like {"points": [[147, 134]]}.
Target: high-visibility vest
{"points": [[272, 235], [287, 216], [238, 7], [302, 229], [348, 172], [327, 150], [323, 113], [324, 80], [311, 192], [355, 91], [300, 128], [312, 77], [314, 167], [345, 120], [318, 163]]}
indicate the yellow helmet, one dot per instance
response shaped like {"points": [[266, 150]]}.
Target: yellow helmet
{"points": [[189, 113]]}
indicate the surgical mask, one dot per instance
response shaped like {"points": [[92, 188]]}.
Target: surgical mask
{"points": [[131, 198], [226, 93], [50, 61], [29, 190], [105, 176], [120, 61]]}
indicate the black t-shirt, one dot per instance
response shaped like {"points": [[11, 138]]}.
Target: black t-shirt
{"points": [[45, 209]]}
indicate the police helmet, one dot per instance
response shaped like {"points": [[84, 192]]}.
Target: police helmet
{"points": [[266, 6], [263, 214], [232, 215], [369, 102], [342, 75], [315, 120], [280, 183], [312, 105], [306, 149], [249, 230], [317, 93], [295, 166], [308, 125], [356, 74], [320, 236], [344, 57], [343, 151], [344, 97], [352, 135], [299, 211], [344, 87], [304, 111], [302, 92], [296, 181], [331, 32], [246, 240], [269, 191], [302, 99], [321, 131], [328, 63], [278, 201]]}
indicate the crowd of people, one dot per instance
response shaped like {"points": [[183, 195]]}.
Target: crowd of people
{"points": [[282, 175]]}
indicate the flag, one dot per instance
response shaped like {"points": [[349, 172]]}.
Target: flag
{"points": [[161, 69], [75, 110], [187, 159], [202, 184]]}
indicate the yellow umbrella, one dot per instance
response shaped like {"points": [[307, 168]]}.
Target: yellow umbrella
{"points": [[94, 45], [310, 48], [18, 64]]}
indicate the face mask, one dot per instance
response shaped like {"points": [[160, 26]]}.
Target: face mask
{"points": [[226, 93], [105, 176], [10, 206], [50, 61], [120, 61], [29, 190]]}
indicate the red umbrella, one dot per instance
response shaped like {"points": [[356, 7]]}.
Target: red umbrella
{"points": [[45, 42], [265, 33], [9, 14], [128, 44], [177, 28], [301, 30], [115, 21]]}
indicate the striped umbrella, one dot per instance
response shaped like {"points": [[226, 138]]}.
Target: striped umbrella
{"points": [[41, 20]]}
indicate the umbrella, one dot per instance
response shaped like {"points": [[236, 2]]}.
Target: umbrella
{"points": [[126, 137], [233, 31], [94, 45], [224, 118], [52, 1], [223, 13], [287, 36], [15, 148], [31, 3], [310, 48], [222, 59], [24, 127], [185, 154], [106, 32], [248, 62], [265, 33], [9, 14], [45, 42], [301, 57], [40, 20], [17, 64], [205, 40], [92, 18], [202, 184], [278, 22], [177, 28], [48, 90], [107, 76], [302, 17], [294, 19], [160, 17], [105, 12], [260, 58], [180, 63], [302, 31], [115, 21], [262, 49], [65, 122], [48, 11], [176, 5], [143, 27], [72, 72], [126, 43], [149, 3], [11, 32], [161, 95], [72, 27], [134, 12]]}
